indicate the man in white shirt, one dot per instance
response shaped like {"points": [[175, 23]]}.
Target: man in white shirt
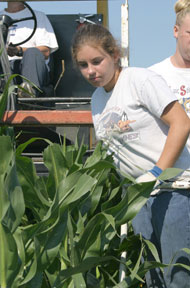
{"points": [[176, 69], [31, 58]]}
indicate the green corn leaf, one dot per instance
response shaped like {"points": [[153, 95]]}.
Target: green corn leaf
{"points": [[29, 180], [9, 259], [56, 163], [6, 148], [83, 266], [152, 249], [15, 205], [133, 200], [30, 267], [50, 243], [90, 232], [23, 146], [79, 281], [170, 173], [8, 89]]}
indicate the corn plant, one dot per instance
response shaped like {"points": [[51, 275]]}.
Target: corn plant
{"points": [[63, 229]]}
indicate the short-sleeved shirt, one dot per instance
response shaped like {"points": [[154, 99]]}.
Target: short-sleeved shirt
{"points": [[178, 79], [44, 35], [128, 120]]}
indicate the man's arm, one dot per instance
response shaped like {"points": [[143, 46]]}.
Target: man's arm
{"points": [[179, 128], [18, 50]]}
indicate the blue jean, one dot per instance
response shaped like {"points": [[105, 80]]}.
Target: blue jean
{"points": [[33, 67], [165, 221]]}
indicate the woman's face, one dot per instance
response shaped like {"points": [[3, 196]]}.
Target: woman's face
{"points": [[97, 67]]}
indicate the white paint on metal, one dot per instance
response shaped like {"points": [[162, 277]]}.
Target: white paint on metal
{"points": [[125, 34]]}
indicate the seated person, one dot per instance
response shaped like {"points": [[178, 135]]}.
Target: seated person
{"points": [[30, 59]]}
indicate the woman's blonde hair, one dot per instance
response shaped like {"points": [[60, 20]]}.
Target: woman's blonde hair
{"points": [[95, 35], [182, 8]]}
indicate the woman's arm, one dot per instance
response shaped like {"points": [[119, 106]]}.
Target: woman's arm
{"points": [[179, 129]]}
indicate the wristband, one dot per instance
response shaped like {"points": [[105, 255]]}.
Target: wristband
{"points": [[20, 52], [156, 171]]}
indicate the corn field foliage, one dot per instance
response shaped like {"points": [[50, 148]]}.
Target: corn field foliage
{"points": [[63, 230]]}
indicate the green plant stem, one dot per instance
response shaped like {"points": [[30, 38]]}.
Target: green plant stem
{"points": [[2, 268]]}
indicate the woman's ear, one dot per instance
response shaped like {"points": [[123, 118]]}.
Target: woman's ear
{"points": [[116, 56]]}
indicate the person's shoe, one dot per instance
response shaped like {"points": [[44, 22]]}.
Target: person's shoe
{"points": [[28, 91]]}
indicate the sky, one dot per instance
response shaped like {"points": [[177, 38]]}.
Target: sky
{"points": [[150, 24]]}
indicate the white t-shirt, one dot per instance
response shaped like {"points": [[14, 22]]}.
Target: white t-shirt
{"points": [[178, 79], [44, 35], [128, 119]]}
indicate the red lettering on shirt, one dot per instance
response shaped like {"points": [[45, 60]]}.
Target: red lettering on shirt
{"points": [[182, 88]]}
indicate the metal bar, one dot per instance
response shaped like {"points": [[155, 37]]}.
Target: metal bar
{"points": [[6, 68], [54, 99], [90, 137], [46, 0], [102, 8], [46, 117], [125, 35]]}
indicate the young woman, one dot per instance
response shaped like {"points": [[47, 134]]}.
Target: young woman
{"points": [[136, 114], [176, 68]]}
